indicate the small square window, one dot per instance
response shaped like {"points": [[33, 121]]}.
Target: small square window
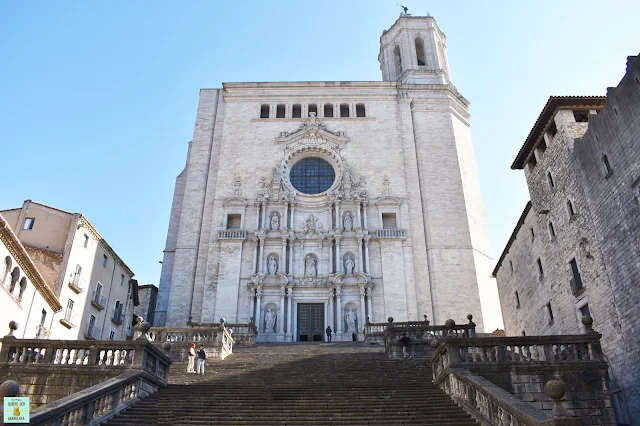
{"points": [[112, 335], [28, 223], [104, 260], [86, 241], [389, 221], [121, 280], [234, 221]]}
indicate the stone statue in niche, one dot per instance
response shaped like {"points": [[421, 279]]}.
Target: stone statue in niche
{"points": [[270, 320], [349, 266], [350, 318], [348, 221], [310, 266], [275, 222], [272, 265]]}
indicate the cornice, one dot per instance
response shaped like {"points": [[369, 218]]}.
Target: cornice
{"points": [[23, 259]]}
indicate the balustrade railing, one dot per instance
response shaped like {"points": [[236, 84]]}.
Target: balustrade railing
{"points": [[232, 234], [391, 233], [92, 332], [77, 283], [116, 318], [227, 343], [70, 318], [98, 300], [187, 335]]}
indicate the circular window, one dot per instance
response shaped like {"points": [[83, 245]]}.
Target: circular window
{"points": [[312, 176]]}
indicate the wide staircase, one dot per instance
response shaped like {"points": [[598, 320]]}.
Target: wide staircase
{"points": [[300, 384]]}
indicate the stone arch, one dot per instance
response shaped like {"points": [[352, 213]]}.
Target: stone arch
{"points": [[23, 287], [273, 269], [418, 43], [275, 220], [270, 307], [397, 60], [349, 269], [311, 265], [6, 267], [15, 276]]}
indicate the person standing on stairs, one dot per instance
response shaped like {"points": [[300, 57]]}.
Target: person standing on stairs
{"points": [[328, 331], [192, 359], [202, 355], [404, 340]]}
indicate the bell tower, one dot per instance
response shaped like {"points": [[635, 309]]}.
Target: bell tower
{"points": [[414, 51]]}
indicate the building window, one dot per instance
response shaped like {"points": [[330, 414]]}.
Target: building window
{"points": [[234, 221], [360, 110], [328, 110], [542, 146], [70, 305], [552, 230], [397, 60], [112, 335], [280, 111], [28, 223], [389, 221], [344, 110], [570, 209], [121, 280], [552, 184], [533, 234], [551, 132], [576, 280], [532, 162], [550, 312], [420, 51], [511, 266], [296, 111], [86, 241], [584, 310], [99, 288], [312, 175], [104, 260], [264, 111], [517, 300], [540, 270], [313, 109], [581, 116], [23, 288], [605, 165]]}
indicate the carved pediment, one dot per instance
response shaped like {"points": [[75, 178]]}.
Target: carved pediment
{"points": [[312, 132]]}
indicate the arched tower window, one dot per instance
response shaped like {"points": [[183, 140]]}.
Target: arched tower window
{"points": [[15, 275], [420, 51], [6, 268], [23, 287], [397, 58]]}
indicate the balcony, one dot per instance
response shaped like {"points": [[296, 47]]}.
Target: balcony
{"points": [[117, 316], [232, 234], [77, 283], [92, 332], [391, 234], [70, 318], [98, 300]]}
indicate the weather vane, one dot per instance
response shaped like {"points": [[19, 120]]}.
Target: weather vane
{"points": [[405, 9]]}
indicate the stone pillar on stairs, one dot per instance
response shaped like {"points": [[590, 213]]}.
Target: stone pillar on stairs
{"points": [[369, 303], [339, 319], [331, 320], [363, 318], [252, 301], [287, 336], [258, 309]]}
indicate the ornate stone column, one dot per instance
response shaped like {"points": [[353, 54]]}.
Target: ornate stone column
{"points": [[281, 317], [369, 302], [290, 272], [283, 259], [255, 256], [292, 220], [285, 219], [258, 309], [294, 319], [363, 316], [339, 319], [364, 211], [261, 260], [360, 263], [264, 215], [289, 317], [338, 223], [252, 301], [257, 215], [331, 270], [366, 253], [338, 258], [331, 320], [358, 216]]}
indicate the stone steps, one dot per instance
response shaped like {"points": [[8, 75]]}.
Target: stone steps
{"points": [[300, 384]]}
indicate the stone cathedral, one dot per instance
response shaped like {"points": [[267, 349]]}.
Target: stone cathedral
{"points": [[312, 204]]}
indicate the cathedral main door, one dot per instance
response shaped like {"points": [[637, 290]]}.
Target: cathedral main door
{"points": [[310, 322]]}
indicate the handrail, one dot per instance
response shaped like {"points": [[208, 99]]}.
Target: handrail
{"points": [[97, 404], [227, 343]]}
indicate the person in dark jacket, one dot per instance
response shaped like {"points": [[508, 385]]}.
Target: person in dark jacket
{"points": [[404, 340], [202, 356], [328, 331]]}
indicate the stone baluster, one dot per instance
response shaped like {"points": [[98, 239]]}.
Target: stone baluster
{"points": [[281, 316], [339, 319], [283, 261], [363, 315], [257, 215], [358, 216], [369, 303], [264, 215], [261, 265], [290, 256], [259, 308], [289, 303], [252, 301], [255, 255], [338, 258], [366, 254], [364, 211]]}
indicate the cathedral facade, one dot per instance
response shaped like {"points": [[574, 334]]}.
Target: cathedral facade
{"points": [[305, 205]]}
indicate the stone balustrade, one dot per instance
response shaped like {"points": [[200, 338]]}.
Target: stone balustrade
{"points": [[232, 234], [391, 234]]}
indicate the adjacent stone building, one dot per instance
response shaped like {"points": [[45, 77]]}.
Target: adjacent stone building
{"points": [[25, 296], [312, 204], [576, 247], [86, 275]]}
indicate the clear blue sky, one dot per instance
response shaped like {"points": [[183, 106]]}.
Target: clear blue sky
{"points": [[98, 99]]}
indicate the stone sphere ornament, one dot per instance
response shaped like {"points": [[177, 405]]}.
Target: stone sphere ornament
{"points": [[554, 389], [166, 346], [13, 326], [390, 319], [9, 388], [450, 324]]}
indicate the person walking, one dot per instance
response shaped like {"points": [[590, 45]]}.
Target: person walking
{"points": [[404, 340], [202, 355], [328, 331], [192, 359]]}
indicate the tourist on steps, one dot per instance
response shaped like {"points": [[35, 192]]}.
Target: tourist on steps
{"points": [[404, 340], [192, 359], [328, 331], [202, 355]]}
